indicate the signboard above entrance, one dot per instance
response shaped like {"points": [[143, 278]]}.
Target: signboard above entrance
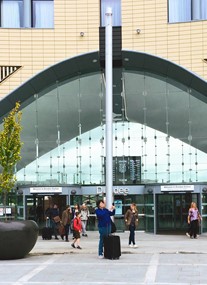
{"points": [[45, 190], [175, 188]]}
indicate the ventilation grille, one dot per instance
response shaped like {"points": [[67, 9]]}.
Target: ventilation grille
{"points": [[6, 71]]}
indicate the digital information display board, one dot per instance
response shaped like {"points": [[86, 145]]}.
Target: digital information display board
{"points": [[126, 170]]}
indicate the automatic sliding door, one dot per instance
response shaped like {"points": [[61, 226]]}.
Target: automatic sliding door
{"points": [[172, 211], [165, 215]]}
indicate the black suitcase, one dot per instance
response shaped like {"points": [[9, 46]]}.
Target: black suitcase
{"points": [[47, 231], [112, 247]]}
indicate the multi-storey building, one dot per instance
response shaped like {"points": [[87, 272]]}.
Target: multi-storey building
{"points": [[52, 60]]}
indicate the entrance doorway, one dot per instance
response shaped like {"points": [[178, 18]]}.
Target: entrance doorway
{"points": [[172, 211], [36, 206]]}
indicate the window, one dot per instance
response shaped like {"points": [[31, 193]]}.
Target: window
{"points": [[27, 13], [12, 14], [187, 10], [43, 14], [115, 5]]}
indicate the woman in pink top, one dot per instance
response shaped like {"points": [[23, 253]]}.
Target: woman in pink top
{"points": [[194, 218]]}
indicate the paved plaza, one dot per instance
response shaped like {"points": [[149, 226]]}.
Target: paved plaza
{"points": [[158, 260]]}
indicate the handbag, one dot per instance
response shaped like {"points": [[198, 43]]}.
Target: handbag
{"points": [[56, 219], [61, 230], [113, 227]]}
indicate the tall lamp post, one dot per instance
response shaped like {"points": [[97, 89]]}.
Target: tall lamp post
{"points": [[109, 108]]}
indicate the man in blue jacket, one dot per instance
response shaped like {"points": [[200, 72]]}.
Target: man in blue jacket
{"points": [[104, 223]]}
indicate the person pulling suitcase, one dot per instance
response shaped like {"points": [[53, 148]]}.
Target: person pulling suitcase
{"points": [[104, 223]]}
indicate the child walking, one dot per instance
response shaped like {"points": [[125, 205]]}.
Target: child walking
{"points": [[77, 228]]}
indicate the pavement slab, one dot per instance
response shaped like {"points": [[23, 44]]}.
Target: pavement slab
{"points": [[158, 260]]}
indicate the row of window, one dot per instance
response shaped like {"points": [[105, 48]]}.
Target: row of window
{"points": [[40, 13], [178, 10]]}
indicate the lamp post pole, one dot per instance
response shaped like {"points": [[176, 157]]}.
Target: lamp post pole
{"points": [[109, 108]]}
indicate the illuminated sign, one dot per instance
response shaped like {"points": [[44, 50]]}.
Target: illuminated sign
{"points": [[35, 190], [171, 188]]}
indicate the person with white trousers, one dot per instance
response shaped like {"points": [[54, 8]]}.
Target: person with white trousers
{"points": [[84, 218]]}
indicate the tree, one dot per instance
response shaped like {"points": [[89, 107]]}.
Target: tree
{"points": [[10, 148]]}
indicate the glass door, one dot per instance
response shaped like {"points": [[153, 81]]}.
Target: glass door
{"points": [[172, 211], [149, 213], [165, 212], [204, 212], [181, 206]]}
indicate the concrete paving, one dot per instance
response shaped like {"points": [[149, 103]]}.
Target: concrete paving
{"points": [[158, 260]]}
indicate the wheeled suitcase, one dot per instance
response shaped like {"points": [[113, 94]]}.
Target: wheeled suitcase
{"points": [[112, 247], [47, 231]]}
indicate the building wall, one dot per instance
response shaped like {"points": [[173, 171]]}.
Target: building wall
{"points": [[182, 43], [37, 49]]}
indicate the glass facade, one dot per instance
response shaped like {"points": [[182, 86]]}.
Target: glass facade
{"points": [[161, 122], [159, 138], [122, 204]]}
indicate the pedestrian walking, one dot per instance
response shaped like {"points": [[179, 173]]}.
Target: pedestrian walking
{"points": [[55, 219], [75, 209], [194, 219], [131, 220], [77, 227], [84, 218], [66, 218]]}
